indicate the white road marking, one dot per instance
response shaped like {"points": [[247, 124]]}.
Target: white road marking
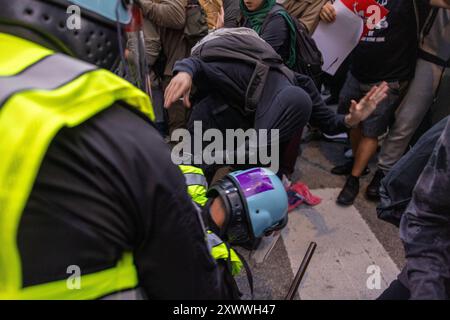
{"points": [[346, 247], [265, 248]]}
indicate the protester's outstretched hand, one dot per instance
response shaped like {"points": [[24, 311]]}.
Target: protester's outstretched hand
{"points": [[360, 111], [179, 86]]}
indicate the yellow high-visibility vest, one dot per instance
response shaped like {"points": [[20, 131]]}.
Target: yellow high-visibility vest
{"points": [[219, 250], [41, 92], [197, 186]]}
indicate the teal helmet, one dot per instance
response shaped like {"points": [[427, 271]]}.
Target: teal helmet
{"points": [[98, 40], [256, 203]]}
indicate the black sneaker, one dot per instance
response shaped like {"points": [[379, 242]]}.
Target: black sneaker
{"points": [[373, 189], [350, 191], [346, 169]]}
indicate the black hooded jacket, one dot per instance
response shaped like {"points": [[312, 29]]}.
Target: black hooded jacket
{"points": [[425, 227]]}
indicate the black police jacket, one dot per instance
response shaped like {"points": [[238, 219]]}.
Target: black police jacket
{"points": [[109, 186]]}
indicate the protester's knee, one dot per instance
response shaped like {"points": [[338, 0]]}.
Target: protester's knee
{"points": [[297, 103]]}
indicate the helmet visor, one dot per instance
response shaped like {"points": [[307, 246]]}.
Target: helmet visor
{"points": [[254, 182]]}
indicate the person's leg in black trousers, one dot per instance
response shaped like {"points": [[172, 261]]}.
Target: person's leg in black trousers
{"points": [[213, 113], [288, 111]]}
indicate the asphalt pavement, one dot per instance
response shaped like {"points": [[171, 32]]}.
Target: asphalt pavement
{"points": [[357, 254]]}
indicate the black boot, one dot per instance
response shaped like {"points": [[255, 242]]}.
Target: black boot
{"points": [[373, 189], [346, 169], [349, 192]]}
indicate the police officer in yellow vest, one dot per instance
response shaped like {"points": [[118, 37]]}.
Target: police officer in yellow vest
{"points": [[91, 205]]}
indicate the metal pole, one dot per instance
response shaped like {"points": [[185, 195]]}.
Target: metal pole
{"points": [[301, 271]]}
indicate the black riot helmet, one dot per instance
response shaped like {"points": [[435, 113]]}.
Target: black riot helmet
{"points": [[95, 41]]}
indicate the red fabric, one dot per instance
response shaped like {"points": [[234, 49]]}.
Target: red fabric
{"points": [[299, 193], [365, 9]]}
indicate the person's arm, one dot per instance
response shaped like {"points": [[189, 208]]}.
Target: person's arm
{"points": [[311, 16], [321, 116], [152, 43], [171, 253], [425, 227], [441, 3], [180, 86], [191, 65], [331, 123], [174, 261], [276, 32], [227, 77], [166, 13], [232, 13]]}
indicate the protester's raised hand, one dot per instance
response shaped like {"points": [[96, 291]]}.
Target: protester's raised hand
{"points": [[179, 86], [362, 110], [328, 13]]}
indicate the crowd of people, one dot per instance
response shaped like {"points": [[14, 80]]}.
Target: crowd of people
{"points": [[97, 175], [408, 51]]}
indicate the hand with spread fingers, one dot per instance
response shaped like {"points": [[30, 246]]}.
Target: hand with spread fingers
{"points": [[362, 110], [179, 86]]}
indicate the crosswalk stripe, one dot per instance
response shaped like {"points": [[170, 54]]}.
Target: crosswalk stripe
{"points": [[346, 248]]}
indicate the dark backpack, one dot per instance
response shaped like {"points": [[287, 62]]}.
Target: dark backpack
{"points": [[244, 45], [196, 26], [309, 60], [397, 187]]}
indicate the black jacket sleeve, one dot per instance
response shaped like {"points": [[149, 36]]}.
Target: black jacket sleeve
{"points": [[172, 257], [193, 66], [425, 227], [321, 116], [229, 78]]}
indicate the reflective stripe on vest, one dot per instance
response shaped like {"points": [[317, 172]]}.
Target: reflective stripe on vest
{"points": [[135, 294], [92, 286], [195, 179], [58, 69], [197, 185], [33, 109]]}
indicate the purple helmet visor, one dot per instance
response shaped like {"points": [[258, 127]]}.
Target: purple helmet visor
{"points": [[254, 181]]}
